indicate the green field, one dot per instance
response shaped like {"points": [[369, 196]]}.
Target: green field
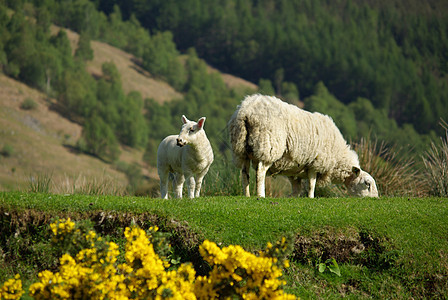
{"points": [[385, 248]]}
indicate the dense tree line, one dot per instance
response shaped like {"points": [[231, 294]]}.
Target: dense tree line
{"points": [[34, 54], [394, 53], [30, 52], [339, 58]]}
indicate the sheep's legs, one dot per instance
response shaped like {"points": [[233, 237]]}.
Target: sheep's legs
{"points": [[262, 168], [245, 178], [178, 184], [295, 184], [312, 177]]}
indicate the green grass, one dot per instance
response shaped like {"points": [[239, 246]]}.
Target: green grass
{"points": [[408, 257]]}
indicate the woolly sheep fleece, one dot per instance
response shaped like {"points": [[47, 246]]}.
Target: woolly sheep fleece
{"points": [[186, 156], [281, 138]]}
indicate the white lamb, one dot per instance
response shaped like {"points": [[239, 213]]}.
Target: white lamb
{"points": [[280, 138], [187, 156]]}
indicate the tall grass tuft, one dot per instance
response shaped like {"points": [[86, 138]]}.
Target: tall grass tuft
{"points": [[40, 183], [436, 165], [90, 186], [46, 183], [394, 172], [222, 179]]}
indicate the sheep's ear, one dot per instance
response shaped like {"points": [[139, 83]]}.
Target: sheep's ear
{"points": [[356, 171], [184, 119], [201, 122]]}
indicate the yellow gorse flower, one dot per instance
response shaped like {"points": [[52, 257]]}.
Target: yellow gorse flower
{"points": [[230, 264], [93, 273], [62, 227], [12, 289]]}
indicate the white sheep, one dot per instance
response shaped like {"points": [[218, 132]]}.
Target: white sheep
{"points": [[280, 138], [187, 156]]}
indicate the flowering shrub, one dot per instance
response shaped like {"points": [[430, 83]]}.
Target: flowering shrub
{"points": [[237, 272], [12, 289], [95, 271]]}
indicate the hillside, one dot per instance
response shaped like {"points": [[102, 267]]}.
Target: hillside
{"points": [[42, 140]]}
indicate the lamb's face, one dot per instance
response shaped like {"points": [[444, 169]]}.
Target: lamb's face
{"points": [[189, 131], [362, 184]]}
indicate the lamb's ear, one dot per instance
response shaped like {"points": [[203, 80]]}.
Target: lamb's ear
{"points": [[184, 119], [356, 171], [201, 122]]}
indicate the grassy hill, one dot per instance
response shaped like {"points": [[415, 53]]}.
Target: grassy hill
{"points": [[38, 143], [386, 248]]}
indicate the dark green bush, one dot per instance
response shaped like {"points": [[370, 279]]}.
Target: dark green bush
{"points": [[7, 150], [28, 104]]}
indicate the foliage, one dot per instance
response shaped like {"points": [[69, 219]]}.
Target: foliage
{"points": [[330, 265], [222, 179], [77, 93], [265, 87], [436, 165], [239, 273], [387, 52], [161, 58], [385, 247], [98, 139], [7, 150], [28, 104], [322, 101], [84, 51], [394, 173], [371, 66], [41, 183], [133, 173], [91, 267]]}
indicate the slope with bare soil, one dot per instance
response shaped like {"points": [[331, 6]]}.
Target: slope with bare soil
{"points": [[40, 142], [133, 77]]}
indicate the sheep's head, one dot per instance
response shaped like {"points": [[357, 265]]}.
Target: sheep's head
{"points": [[190, 131], [361, 184]]}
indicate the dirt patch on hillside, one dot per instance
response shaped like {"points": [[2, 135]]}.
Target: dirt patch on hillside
{"points": [[133, 77], [41, 143]]}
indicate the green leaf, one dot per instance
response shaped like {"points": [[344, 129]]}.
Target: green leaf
{"points": [[334, 268], [322, 267]]}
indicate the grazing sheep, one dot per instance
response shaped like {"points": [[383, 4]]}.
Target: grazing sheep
{"points": [[280, 138], [187, 156]]}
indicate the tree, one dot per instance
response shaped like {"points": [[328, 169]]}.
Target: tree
{"points": [[132, 128], [161, 57], [99, 139], [77, 93], [265, 87], [84, 51], [324, 102]]}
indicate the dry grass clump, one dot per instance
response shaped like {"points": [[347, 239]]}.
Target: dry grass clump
{"points": [[395, 173], [436, 165], [46, 183]]}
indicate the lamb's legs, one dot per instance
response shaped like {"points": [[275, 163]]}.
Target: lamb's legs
{"points": [[191, 185], [262, 168], [197, 191], [245, 178], [178, 184], [164, 184], [312, 177], [295, 184]]}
